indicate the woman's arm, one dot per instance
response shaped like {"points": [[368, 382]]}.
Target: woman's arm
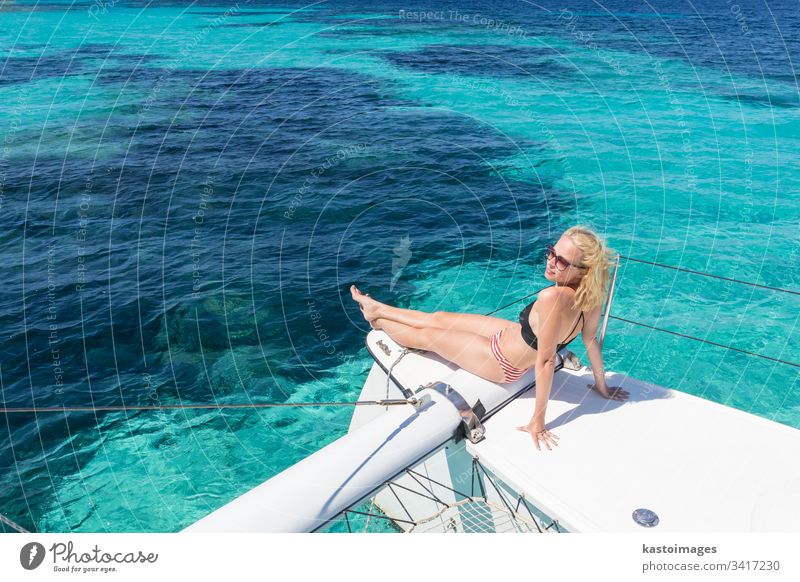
{"points": [[550, 304], [593, 350], [595, 353]]}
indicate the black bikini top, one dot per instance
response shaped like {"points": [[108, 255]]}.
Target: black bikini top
{"points": [[527, 333]]}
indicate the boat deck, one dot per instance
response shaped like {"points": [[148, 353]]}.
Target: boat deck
{"points": [[700, 466]]}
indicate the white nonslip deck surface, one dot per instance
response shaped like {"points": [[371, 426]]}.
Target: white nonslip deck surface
{"points": [[699, 465]]}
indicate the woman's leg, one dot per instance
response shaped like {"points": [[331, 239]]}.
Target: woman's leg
{"points": [[374, 309], [471, 322], [410, 317], [467, 350]]}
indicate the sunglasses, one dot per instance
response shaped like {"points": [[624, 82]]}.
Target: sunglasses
{"points": [[561, 262]]}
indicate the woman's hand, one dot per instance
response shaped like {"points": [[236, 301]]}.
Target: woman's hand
{"points": [[539, 433], [612, 393]]}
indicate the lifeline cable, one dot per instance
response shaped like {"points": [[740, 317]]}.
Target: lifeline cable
{"points": [[385, 402], [712, 276]]}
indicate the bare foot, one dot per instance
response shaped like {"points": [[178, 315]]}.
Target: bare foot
{"points": [[369, 306]]}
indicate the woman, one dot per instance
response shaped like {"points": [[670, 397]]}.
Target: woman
{"points": [[500, 350]]}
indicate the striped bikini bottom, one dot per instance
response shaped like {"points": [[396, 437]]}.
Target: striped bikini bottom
{"points": [[510, 372]]}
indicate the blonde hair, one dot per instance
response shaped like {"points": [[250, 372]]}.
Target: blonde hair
{"points": [[598, 258]]}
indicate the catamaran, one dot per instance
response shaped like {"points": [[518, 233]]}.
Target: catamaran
{"points": [[437, 451]]}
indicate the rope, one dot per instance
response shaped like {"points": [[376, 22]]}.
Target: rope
{"points": [[713, 276], [13, 525], [369, 511], [385, 402], [403, 353]]}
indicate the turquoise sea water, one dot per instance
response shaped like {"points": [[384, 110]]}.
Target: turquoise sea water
{"points": [[188, 189]]}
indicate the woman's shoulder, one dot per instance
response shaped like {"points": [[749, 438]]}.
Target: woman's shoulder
{"points": [[555, 295], [555, 300]]}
